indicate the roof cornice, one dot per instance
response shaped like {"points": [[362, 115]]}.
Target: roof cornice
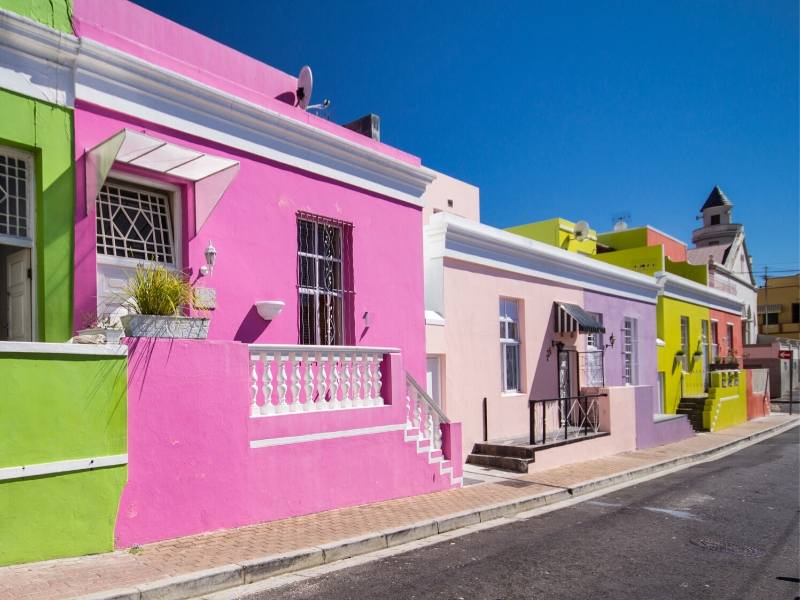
{"points": [[449, 236], [680, 288], [81, 69]]}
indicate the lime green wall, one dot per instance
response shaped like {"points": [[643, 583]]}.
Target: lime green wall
{"points": [[553, 232], [728, 404], [46, 131], [53, 13], [625, 239], [668, 329], [78, 410], [696, 273], [647, 259]]}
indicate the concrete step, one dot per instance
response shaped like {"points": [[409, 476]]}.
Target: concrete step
{"points": [[503, 450], [504, 463]]}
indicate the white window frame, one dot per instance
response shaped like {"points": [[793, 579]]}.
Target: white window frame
{"points": [[729, 334], [630, 357], [714, 340], [176, 213], [685, 343], [507, 342], [30, 240], [316, 291]]}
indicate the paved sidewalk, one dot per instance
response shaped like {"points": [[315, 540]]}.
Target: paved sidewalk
{"points": [[410, 518]]}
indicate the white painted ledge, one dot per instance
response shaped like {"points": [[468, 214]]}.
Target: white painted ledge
{"points": [[52, 348], [63, 466], [325, 435]]}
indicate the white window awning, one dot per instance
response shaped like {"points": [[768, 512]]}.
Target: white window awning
{"points": [[211, 174], [571, 318]]}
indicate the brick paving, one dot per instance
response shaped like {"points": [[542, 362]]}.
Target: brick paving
{"points": [[65, 578]]}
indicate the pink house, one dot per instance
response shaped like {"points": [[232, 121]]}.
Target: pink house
{"points": [[184, 150]]}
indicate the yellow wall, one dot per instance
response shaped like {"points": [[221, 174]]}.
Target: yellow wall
{"points": [[647, 259], [696, 273], [557, 232], [668, 328]]}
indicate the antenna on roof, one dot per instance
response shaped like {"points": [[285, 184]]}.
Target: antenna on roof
{"points": [[620, 220]]}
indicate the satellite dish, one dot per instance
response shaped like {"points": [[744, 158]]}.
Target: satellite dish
{"points": [[305, 84], [581, 230]]}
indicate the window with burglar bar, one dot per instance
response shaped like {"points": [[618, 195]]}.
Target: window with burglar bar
{"points": [[135, 222], [322, 279], [509, 344], [629, 351], [14, 201]]}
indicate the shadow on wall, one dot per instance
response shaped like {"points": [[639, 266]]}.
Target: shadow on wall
{"points": [[545, 380], [251, 327]]}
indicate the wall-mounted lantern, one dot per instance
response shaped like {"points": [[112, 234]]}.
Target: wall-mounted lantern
{"points": [[211, 258]]}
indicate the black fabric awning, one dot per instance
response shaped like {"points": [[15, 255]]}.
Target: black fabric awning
{"points": [[571, 318]]}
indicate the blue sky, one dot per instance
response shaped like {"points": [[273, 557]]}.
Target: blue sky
{"points": [[582, 110]]}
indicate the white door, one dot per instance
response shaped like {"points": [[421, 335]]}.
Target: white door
{"points": [[18, 287], [433, 383]]}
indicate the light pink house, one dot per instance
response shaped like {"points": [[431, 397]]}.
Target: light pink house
{"points": [[511, 320], [183, 146]]}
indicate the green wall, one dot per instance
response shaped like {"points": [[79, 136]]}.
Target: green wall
{"points": [[552, 232], [668, 329], [53, 13], [625, 239], [78, 410], [46, 131], [696, 273], [646, 259]]}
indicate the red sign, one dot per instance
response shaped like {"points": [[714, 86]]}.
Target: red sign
{"points": [[785, 354]]}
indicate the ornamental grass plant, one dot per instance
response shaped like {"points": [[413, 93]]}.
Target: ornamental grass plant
{"points": [[154, 290]]}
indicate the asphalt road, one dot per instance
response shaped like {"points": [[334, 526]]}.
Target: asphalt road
{"points": [[724, 529]]}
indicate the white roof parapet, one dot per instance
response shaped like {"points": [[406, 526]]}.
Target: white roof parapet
{"points": [[680, 288], [44, 63], [449, 236]]}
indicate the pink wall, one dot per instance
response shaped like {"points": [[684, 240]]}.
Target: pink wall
{"points": [[254, 230], [673, 249], [472, 342], [723, 319], [137, 31], [191, 468], [465, 198]]}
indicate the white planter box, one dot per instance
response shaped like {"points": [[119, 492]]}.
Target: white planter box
{"points": [[195, 328]]}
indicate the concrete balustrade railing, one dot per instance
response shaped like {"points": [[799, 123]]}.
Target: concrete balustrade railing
{"points": [[423, 414], [293, 379]]}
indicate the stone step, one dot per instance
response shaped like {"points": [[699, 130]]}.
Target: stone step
{"points": [[503, 450], [504, 463]]}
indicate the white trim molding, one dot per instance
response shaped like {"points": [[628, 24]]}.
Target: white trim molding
{"points": [[51, 348], [680, 288], [62, 466], [449, 236], [325, 435], [67, 69]]}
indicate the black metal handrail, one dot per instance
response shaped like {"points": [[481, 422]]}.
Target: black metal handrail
{"points": [[566, 406]]}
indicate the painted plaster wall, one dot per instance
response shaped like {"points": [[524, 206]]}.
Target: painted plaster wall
{"points": [[758, 400], [191, 468], [465, 198], [53, 13], [728, 405], [558, 232], [77, 411], [725, 346], [472, 339], [132, 29], [698, 273], [254, 230], [647, 259], [673, 249], [45, 131], [614, 310], [669, 312]]}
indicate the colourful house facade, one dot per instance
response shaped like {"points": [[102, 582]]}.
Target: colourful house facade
{"points": [[153, 145]]}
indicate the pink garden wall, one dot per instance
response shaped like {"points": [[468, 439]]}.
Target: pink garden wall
{"points": [[191, 466], [254, 230]]}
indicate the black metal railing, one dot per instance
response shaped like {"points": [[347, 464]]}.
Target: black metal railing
{"points": [[555, 420]]}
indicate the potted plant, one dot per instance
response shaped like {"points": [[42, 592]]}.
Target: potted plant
{"points": [[102, 325], [157, 300]]}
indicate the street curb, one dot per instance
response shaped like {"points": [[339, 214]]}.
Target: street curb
{"points": [[194, 585]]}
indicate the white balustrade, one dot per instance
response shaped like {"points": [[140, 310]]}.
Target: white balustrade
{"points": [[423, 415], [291, 379]]}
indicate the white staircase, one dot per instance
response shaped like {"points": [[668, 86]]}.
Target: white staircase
{"points": [[423, 428]]}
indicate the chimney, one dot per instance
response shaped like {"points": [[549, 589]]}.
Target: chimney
{"points": [[368, 125]]}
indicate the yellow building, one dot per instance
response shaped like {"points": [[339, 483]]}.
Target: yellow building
{"points": [[779, 307]]}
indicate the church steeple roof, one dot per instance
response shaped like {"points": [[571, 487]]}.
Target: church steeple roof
{"points": [[716, 198]]}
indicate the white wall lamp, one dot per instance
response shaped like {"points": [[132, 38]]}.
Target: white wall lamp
{"points": [[211, 258]]}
